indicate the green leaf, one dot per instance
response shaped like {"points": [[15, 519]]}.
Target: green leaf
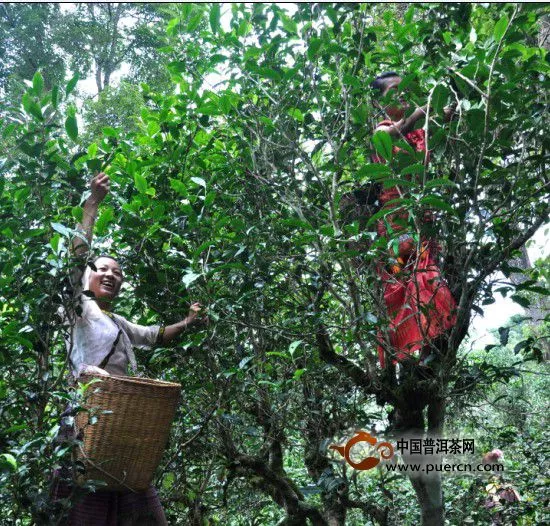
{"points": [[352, 81], [360, 114], [54, 242], [8, 130], [439, 98], [537, 289], [372, 171], [520, 300], [62, 229], [189, 278], [383, 144], [194, 22], [71, 127], [379, 215], [394, 181], [77, 212], [140, 182], [437, 202], [314, 46], [104, 219], [94, 165], [209, 199], [289, 24], [199, 181], [71, 85], [109, 132], [504, 335], [407, 79], [269, 73], [92, 150], [31, 107], [179, 187], [295, 113], [293, 346], [522, 345], [153, 128], [178, 66], [278, 354], [38, 83], [210, 108], [500, 28], [413, 169], [171, 27], [215, 17], [9, 460]]}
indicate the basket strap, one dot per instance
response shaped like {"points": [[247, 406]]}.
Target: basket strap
{"points": [[105, 360], [129, 352]]}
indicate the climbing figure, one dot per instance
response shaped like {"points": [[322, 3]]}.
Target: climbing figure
{"points": [[418, 301]]}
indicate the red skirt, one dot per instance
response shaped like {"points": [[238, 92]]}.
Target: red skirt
{"points": [[419, 304]]}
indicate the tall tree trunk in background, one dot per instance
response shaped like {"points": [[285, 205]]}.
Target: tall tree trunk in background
{"points": [[540, 305], [537, 310], [98, 78], [105, 52]]}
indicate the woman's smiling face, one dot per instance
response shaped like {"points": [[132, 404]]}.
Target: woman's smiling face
{"points": [[105, 282]]}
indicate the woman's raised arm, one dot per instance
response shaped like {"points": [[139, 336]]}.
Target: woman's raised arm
{"points": [[100, 188], [405, 125]]}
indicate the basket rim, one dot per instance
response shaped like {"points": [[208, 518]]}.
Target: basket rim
{"points": [[130, 380]]}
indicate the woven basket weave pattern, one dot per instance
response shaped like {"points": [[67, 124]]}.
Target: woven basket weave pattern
{"points": [[124, 448]]}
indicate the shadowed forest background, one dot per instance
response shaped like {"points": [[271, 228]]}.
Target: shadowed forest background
{"points": [[230, 133]]}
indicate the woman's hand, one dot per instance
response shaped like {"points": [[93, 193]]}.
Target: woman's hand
{"points": [[194, 316], [100, 187]]}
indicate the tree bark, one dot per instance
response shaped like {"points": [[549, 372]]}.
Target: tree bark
{"points": [[428, 487], [409, 421], [430, 497]]}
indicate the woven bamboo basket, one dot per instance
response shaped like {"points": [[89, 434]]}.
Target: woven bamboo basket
{"points": [[125, 444]]}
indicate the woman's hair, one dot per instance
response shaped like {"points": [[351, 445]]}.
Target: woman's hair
{"points": [[379, 82], [108, 257]]}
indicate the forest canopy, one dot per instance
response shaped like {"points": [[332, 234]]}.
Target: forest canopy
{"points": [[233, 136]]}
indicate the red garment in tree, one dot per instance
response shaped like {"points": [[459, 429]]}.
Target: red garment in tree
{"points": [[419, 303]]}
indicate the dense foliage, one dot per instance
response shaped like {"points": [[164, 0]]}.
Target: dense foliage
{"points": [[228, 162]]}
